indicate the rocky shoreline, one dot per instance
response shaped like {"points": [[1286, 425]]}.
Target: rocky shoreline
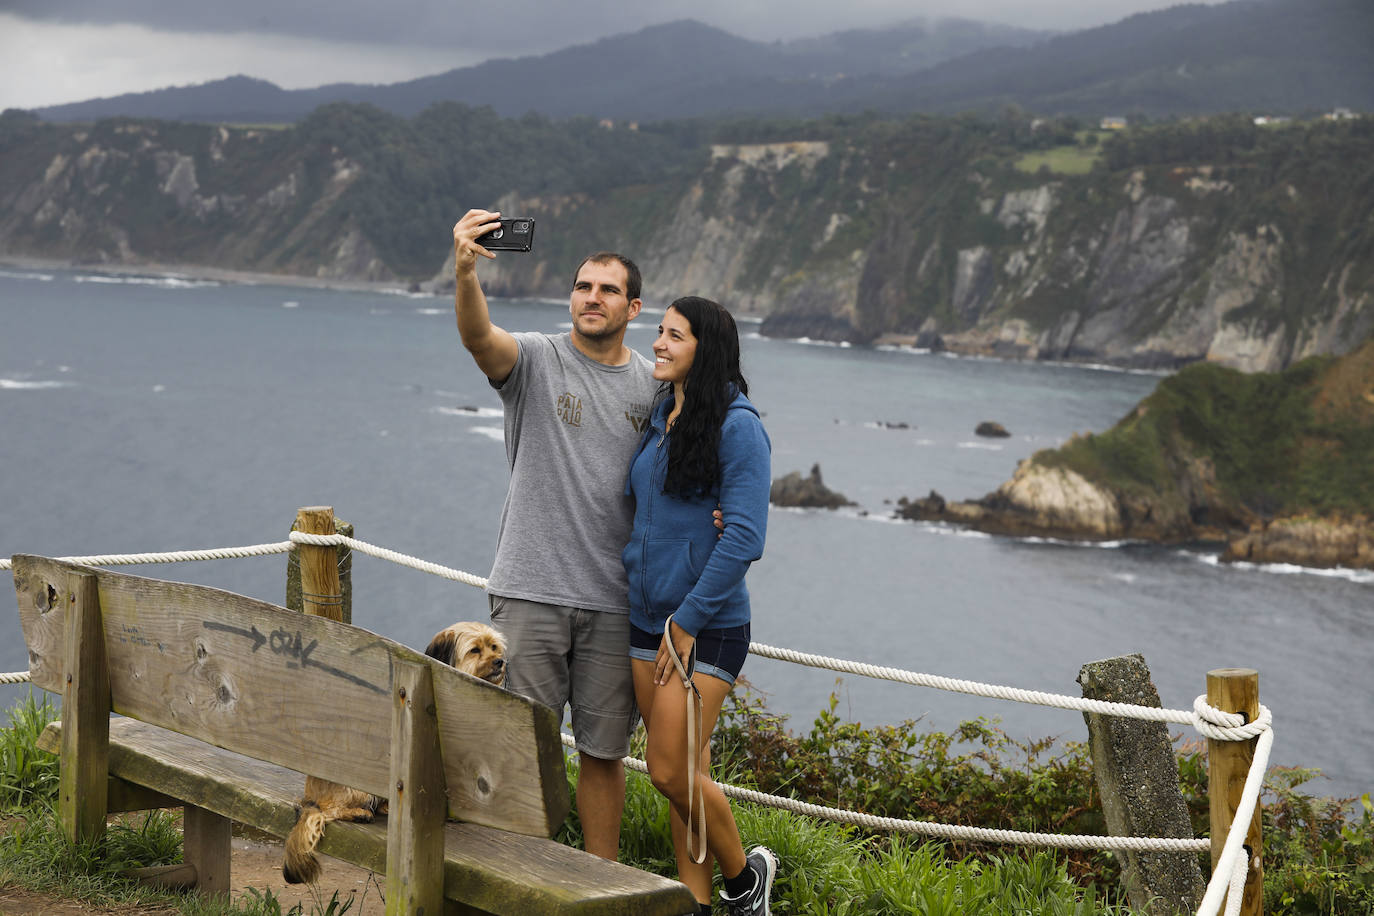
{"points": [[204, 272], [1271, 467], [1053, 502], [1318, 542]]}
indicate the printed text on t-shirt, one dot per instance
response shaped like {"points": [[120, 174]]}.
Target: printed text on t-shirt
{"points": [[569, 409]]}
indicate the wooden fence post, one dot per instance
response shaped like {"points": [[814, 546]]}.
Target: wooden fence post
{"points": [[321, 594], [1228, 763], [344, 562]]}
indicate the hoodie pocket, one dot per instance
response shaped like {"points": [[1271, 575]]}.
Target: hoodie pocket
{"points": [[670, 572]]}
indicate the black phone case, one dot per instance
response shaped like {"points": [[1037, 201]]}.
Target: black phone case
{"points": [[506, 239]]}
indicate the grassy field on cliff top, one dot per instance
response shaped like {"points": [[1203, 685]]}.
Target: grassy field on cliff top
{"points": [[1289, 443]]}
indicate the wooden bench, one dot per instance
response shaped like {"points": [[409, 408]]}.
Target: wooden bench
{"points": [[223, 703]]}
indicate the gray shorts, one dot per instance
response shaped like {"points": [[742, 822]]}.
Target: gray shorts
{"points": [[561, 656]]}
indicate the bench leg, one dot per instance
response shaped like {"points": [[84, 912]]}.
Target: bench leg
{"points": [[82, 801], [419, 802], [206, 845]]}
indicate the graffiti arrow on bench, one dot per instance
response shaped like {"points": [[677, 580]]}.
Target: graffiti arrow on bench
{"points": [[252, 633], [291, 647]]}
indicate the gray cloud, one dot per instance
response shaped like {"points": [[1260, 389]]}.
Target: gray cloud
{"points": [[505, 27], [55, 51]]}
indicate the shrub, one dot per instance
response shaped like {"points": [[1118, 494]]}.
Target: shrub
{"points": [[28, 776]]}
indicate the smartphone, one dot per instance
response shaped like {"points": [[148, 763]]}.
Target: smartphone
{"points": [[513, 235]]}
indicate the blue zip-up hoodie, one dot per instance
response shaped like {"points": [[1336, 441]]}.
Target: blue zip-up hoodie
{"points": [[675, 562]]}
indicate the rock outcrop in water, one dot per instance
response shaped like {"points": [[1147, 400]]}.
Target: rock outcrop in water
{"points": [[810, 492], [1277, 467], [991, 430]]}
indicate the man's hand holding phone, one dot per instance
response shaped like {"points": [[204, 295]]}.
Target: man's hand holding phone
{"points": [[484, 231]]}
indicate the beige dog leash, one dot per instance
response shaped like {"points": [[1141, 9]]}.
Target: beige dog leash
{"points": [[694, 716]]}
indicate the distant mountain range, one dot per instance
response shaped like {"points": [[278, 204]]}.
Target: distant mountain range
{"points": [[1261, 56], [677, 69]]}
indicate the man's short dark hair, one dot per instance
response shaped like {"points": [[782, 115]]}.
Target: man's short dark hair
{"points": [[633, 281]]}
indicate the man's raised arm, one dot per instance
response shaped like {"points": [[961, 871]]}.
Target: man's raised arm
{"points": [[492, 348]]}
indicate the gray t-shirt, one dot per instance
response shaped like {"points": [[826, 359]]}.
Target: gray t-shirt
{"points": [[572, 425]]}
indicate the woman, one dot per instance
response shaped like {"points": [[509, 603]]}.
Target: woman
{"points": [[689, 611]]}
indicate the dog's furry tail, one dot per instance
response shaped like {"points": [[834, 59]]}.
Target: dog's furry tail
{"points": [[300, 865]]}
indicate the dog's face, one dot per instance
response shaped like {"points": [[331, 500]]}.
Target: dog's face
{"points": [[473, 648]]}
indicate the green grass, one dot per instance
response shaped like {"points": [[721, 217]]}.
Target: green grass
{"points": [[35, 855], [1069, 159], [833, 870], [1319, 853], [28, 776]]}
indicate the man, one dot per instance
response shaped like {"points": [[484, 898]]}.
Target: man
{"points": [[576, 405]]}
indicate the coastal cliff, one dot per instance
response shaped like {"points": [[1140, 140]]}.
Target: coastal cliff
{"points": [[1023, 238], [1275, 466]]}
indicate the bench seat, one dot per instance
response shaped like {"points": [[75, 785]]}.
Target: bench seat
{"points": [[490, 870]]}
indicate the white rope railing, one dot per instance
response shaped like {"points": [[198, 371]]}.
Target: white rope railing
{"points": [[381, 553], [1209, 721], [175, 556], [943, 831]]}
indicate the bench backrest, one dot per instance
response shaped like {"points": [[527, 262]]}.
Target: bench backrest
{"points": [[303, 692]]}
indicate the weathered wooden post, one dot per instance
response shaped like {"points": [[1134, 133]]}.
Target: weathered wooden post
{"points": [[83, 775], [419, 796], [317, 574], [1235, 690], [1137, 775]]}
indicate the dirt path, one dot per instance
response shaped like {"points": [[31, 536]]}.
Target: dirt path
{"points": [[255, 864]]}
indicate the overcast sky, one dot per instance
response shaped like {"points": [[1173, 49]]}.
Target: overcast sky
{"points": [[54, 51]]}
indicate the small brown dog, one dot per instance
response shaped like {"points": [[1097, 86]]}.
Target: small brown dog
{"points": [[471, 647]]}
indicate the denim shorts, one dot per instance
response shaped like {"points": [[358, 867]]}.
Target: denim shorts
{"points": [[718, 652]]}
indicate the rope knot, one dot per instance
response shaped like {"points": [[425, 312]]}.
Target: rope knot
{"points": [[1220, 725]]}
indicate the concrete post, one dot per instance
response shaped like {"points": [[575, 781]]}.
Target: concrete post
{"points": [[1137, 776]]}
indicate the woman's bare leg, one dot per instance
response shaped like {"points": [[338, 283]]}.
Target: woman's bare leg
{"points": [[664, 708]]}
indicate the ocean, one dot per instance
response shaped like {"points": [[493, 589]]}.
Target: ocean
{"points": [[145, 413]]}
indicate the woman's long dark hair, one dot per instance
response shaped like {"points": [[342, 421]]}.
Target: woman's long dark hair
{"points": [[712, 383]]}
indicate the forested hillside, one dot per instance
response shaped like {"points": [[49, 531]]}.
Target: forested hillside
{"points": [[1260, 56]]}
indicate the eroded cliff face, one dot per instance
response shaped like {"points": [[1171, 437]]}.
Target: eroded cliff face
{"points": [[1149, 277], [141, 192], [734, 233], [1152, 266]]}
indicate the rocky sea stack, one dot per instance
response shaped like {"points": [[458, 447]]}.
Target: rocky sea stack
{"points": [[1276, 466], [810, 492]]}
